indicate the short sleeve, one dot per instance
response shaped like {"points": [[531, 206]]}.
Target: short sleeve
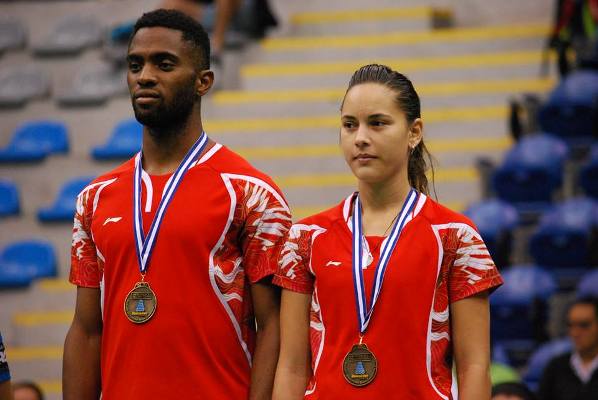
{"points": [[267, 221], [473, 270], [294, 260], [85, 267], [4, 371]]}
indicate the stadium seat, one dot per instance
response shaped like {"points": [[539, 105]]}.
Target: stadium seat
{"points": [[588, 285], [531, 171], [94, 85], [9, 198], [35, 140], [70, 36], [588, 177], [124, 142], [540, 359], [63, 208], [22, 262], [13, 35], [23, 83], [563, 237], [571, 109], [495, 220], [520, 311]]}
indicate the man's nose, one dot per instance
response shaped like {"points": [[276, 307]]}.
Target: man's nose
{"points": [[146, 76]]}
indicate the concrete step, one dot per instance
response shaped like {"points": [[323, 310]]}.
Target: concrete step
{"points": [[452, 41], [303, 102], [423, 70], [368, 21]]}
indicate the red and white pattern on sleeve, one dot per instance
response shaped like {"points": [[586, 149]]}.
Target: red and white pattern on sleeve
{"points": [[294, 264], [249, 248], [87, 264], [465, 269]]}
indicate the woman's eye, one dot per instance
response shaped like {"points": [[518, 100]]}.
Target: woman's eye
{"points": [[348, 125], [377, 123]]}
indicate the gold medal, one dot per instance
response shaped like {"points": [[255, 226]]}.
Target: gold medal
{"points": [[360, 366], [140, 303]]}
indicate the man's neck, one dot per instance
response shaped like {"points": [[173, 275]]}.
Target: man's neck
{"points": [[163, 151], [589, 355]]}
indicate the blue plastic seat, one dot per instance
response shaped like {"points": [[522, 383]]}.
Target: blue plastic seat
{"points": [[540, 359], [588, 285], [495, 220], [124, 142], [22, 262], [571, 110], [531, 171], [563, 237], [588, 177], [519, 311], [9, 198], [63, 208], [34, 140]]}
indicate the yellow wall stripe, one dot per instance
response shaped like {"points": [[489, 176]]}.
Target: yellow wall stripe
{"points": [[451, 35], [34, 353], [429, 89], [407, 64], [379, 14], [261, 125], [43, 318]]}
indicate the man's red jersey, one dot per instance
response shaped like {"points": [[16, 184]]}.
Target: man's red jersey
{"points": [[440, 258], [221, 233]]}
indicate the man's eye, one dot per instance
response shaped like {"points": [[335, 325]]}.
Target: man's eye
{"points": [[166, 66], [134, 67]]}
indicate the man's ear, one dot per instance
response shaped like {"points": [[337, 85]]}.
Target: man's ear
{"points": [[416, 133], [203, 83]]}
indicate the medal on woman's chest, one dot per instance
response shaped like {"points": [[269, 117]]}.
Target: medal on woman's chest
{"points": [[141, 302], [360, 365]]}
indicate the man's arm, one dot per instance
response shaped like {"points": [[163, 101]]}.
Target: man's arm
{"points": [[470, 319], [81, 361], [266, 305]]}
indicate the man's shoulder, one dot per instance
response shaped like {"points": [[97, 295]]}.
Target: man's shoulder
{"points": [[560, 361], [124, 168], [233, 166]]}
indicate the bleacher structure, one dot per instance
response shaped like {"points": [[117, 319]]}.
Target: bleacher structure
{"points": [[281, 112]]}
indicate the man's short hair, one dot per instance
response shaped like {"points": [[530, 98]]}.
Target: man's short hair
{"points": [[192, 31], [587, 300]]}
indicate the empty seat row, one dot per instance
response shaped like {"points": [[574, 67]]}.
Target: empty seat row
{"points": [[35, 140], [62, 208], [24, 261]]}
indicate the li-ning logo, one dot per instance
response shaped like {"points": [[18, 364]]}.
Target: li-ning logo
{"points": [[112, 219], [333, 263]]}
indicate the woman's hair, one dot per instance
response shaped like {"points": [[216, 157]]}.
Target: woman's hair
{"points": [[420, 159]]}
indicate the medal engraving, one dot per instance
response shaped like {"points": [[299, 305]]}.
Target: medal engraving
{"points": [[140, 303], [360, 366]]}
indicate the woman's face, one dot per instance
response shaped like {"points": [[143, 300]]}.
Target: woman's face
{"points": [[375, 136]]}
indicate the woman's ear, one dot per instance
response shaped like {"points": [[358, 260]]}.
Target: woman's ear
{"points": [[416, 133], [203, 83]]}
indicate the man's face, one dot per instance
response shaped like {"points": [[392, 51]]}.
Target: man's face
{"points": [[583, 327], [162, 77]]}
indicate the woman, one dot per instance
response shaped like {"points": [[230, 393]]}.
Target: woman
{"points": [[368, 316]]}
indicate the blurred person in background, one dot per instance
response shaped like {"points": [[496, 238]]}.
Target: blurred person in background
{"points": [[574, 376], [5, 390], [512, 391], [174, 250], [27, 390]]}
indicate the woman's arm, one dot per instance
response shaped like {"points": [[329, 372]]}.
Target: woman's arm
{"points": [[470, 319], [294, 363]]}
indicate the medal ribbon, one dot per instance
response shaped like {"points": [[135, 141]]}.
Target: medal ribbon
{"points": [[363, 314], [145, 245]]}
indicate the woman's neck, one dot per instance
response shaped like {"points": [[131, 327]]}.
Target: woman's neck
{"points": [[381, 203]]}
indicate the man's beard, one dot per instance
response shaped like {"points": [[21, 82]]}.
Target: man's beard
{"points": [[167, 117]]}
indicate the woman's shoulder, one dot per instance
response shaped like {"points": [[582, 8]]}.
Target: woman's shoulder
{"points": [[438, 214], [329, 216]]}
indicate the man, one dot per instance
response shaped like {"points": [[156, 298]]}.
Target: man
{"points": [[173, 251], [575, 376], [27, 391], [5, 391]]}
